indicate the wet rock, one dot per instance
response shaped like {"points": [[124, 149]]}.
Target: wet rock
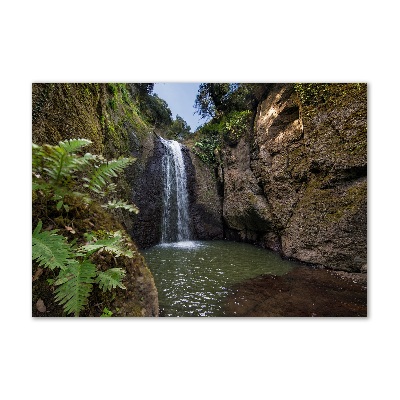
{"points": [[303, 292], [298, 184], [64, 111], [364, 269], [205, 202], [40, 306], [147, 193]]}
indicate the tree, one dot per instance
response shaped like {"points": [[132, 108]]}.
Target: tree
{"points": [[156, 110], [179, 128], [231, 107], [211, 98], [217, 99], [140, 90]]}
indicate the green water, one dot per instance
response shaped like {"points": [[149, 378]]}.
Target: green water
{"points": [[193, 277]]}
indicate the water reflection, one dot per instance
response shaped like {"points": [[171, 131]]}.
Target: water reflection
{"points": [[193, 277]]}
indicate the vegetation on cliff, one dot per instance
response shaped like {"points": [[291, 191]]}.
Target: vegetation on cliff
{"points": [[291, 163], [231, 107], [115, 117], [77, 213], [63, 181]]}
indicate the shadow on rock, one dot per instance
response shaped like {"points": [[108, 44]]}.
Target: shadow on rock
{"points": [[303, 292]]}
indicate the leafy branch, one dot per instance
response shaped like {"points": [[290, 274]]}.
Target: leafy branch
{"points": [[77, 273], [61, 174]]}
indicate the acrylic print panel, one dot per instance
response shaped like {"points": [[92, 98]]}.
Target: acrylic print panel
{"points": [[258, 211]]}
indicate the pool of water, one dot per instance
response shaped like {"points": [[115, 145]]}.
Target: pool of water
{"points": [[194, 277]]}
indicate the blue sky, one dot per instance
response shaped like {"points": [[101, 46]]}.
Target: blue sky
{"points": [[180, 98]]}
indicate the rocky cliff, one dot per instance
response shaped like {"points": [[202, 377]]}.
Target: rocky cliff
{"points": [[205, 200], [147, 192], [147, 180], [106, 115], [297, 183]]}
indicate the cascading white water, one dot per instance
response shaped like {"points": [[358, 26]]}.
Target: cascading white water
{"points": [[175, 221]]}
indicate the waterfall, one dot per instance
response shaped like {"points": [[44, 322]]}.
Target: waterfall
{"points": [[175, 220]]}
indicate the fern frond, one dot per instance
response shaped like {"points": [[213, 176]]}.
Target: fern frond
{"points": [[106, 171], [40, 186], [36, 156], [110, 279], [121, 204], [113, 244], [73, 145], [75, 284], [60, 161], [49, 249]]}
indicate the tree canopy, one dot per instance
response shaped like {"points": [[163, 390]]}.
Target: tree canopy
{"points": [[179, 128], [216, 99], [231, 107]]}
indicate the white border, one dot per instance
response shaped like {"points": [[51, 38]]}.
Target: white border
{"points": [[183, 41]]}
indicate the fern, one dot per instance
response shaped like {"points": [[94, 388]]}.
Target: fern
{"points": [[113, 244], [59, 173], [60, 162], [110, 279], [73, 145], [76, 278], [49, 249], [105, 172], [56, 168], [75, 284], [121, 204]]}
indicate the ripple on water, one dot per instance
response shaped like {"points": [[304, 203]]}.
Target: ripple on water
{"points": [[193, 277], [189, 244]]}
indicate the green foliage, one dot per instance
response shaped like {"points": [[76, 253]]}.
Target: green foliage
{"points": [[59, 163], [229, 128], [110, 279], [141, 90], [206, 148], [49, 249], [179, 129], [120, 94], [234, 125], [60, 173], [312, 93], [156, 111], [211, 98], [75, 284], [217, 99], [106, 313], [112, 88], [121, 204], [231, 106], [113, 104], [61, 177], [105, 171], [113, 244], [77, 273]]}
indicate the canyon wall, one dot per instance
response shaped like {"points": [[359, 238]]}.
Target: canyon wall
{"points": [[297, 183], [104, 114], [205, 204]]}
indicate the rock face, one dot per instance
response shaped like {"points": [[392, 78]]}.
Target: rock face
{"points": [[302, 292], [205, 205], [205, 202], [298, 183], [147, 192], [94, 111]]}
